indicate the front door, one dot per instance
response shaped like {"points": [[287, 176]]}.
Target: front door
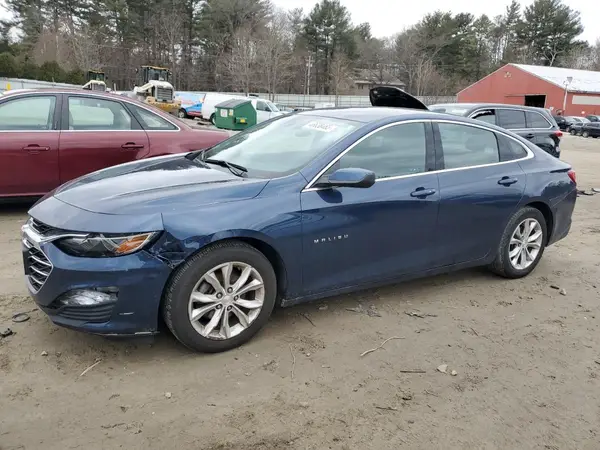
{"points": [[98, 133], [352, 236], [263, 112], [481, 184], [29, 137]]}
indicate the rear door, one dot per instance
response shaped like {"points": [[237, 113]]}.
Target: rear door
{"points": [[29, 136], [532, 126], [481, 184], [97, 133]]}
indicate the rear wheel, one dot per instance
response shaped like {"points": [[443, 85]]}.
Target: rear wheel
{"points": [[212, 120], [221, 297], [522, 244]]}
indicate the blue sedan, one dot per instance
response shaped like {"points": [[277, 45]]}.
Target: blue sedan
{"points": [[306, 206]]}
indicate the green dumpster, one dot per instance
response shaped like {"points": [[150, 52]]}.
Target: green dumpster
{"points": [[235, 114]]}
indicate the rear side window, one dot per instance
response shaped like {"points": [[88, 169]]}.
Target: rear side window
{"points": [[510, 149], [466, 146], [536, 120], [151, 121], [511, 118], [94, 114]]}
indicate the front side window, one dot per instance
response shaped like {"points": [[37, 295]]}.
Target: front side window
{"points": [[536, 120], [273, 107], [283, 146], [487, 116], [394, 151], [511, 119], [91, 114], [262, 106], [466, 146], [151, 121], [31, 113]]}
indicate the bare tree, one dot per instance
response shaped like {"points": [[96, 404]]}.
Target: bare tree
{"points": [[167, 26], [340, 75], [274, 53], [239, 66]]}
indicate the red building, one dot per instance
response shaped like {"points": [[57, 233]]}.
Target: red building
{"points": [[577, 92]]}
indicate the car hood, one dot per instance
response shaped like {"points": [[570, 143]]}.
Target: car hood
{"points": [[155, 185], [394, 97]]}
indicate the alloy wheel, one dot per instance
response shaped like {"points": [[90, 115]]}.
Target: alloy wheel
{"points": [[525, 244], [226, 300], [585, 134]]}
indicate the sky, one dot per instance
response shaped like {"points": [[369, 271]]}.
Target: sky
{"points": [[388, 17]]}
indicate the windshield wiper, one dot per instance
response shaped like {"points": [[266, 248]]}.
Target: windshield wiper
{"points": [[235, 169]]}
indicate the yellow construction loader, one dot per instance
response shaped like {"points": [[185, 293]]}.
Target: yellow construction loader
{"points": [[95, 81], [154, 87]]}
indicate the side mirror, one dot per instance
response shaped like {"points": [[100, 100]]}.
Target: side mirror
{"points": [[357, 178]]}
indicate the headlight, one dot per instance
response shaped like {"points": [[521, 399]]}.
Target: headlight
{"points": [[104, 245]]}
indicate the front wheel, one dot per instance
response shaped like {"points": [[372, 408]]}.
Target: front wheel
{"points": [[213, 120], [522, 244], [221, 297], [585, 134], [182, 114]]}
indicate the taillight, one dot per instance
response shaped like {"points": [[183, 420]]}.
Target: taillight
{"points": [[558, 134], [572, 176]]}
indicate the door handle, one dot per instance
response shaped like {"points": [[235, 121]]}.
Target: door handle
{"points": [[530, 136], [34, 148], [507, 181], [131, 145], [422, 192]]}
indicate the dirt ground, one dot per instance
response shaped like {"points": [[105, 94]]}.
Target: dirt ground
{"points": [[527, 362]]}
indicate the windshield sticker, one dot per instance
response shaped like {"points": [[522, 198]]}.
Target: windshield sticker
{"points": [[321, 126]]}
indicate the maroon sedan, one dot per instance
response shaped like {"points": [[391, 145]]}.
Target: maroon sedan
{"points": [[48, 137]]}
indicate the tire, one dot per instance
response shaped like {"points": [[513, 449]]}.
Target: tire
{"points": [[585, 134], [182, 114], [213, 120], [502, 264], [178, 307], [573, 132]]}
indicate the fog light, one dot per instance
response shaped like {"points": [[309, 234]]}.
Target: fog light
{"points": [[88, 297]]}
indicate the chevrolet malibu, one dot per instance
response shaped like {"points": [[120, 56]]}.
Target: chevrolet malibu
{"points": [[302, 207]]}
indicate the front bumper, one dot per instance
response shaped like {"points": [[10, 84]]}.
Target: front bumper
{"points": [[137, 281]]}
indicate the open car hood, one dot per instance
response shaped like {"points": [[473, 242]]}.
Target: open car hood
{"points": [[394, 97]]}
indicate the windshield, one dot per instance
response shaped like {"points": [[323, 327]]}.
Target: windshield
{"points": [[283, 146], [456, 110], [273, 107]]}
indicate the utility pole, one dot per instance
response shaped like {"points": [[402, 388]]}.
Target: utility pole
{"points": [[308, 65]]}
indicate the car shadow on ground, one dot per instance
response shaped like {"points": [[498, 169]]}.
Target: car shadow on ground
{"points": [[393, 299]]}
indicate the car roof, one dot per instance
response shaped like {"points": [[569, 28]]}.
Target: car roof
{"points": [[108, 95], [372, 113]]}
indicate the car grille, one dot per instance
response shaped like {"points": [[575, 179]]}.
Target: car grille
{"points": [[41, 228], [39, 267], [98, 314], [164, 94]]}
